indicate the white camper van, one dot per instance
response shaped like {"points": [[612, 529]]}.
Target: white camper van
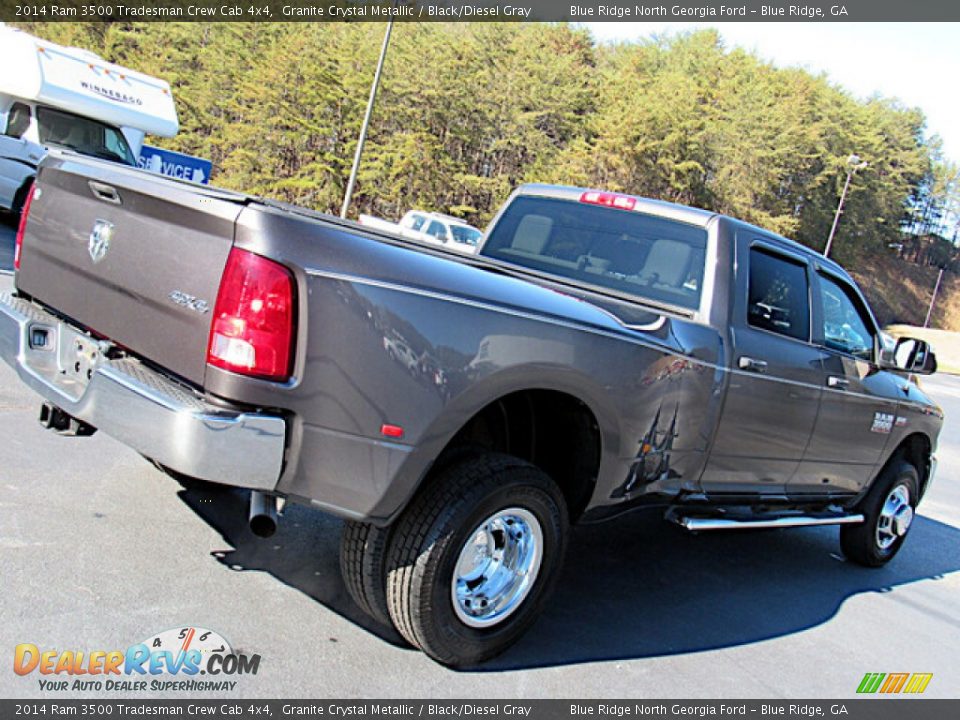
{"points": [[72, 98]]}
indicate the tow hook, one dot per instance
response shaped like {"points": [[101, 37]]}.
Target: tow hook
{"points": [[63, 423], [263, 514]]}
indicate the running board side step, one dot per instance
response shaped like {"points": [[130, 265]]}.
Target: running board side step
{"points": [[697, 524]]}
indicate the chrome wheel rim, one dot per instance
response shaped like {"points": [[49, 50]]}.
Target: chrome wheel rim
{"points": [[497, 567], [896, 515]]}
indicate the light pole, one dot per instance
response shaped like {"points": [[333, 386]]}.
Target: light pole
{"points": [[853, 164], [936, 289], [366, 122]]}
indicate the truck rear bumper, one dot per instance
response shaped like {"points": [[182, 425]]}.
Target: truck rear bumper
{"points": [[137, 405]]}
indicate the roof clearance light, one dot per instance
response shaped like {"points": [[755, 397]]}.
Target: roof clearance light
{"points": [[607, 199]]}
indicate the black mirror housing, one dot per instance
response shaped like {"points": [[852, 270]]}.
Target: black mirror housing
{"points": [[915, 356]]}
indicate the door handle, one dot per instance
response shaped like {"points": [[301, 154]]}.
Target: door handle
{"points": [[840, 383], [749, 363], [104, 192]]}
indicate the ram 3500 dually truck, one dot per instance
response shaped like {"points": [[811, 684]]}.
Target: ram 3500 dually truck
{"points": [[602, 353]]}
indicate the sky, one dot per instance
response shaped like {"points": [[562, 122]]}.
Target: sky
{"points": [[918, 63]]}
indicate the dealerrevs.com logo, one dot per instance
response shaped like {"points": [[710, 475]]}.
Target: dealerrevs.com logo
{"points": [[189, 659]]}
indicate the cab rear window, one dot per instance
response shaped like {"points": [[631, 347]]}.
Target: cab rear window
{"points": [[650, 257]]}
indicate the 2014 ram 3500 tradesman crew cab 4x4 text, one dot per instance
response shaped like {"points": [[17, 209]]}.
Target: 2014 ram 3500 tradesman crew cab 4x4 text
{"points": [[601, 353]]}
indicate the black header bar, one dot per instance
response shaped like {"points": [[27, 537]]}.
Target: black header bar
{"points": [[478, 11], [487, 709]]}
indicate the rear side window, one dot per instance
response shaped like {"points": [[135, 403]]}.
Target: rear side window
{"points": [[437, 229], [416, 221], [623, 250], [778, 296]]}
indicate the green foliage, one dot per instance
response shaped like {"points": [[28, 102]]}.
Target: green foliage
{"points": [[468, 111]]}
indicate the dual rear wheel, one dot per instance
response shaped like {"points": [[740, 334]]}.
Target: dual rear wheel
{"points": [[465, 570]]}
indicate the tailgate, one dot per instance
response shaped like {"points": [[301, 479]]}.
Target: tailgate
{"points": [[130, 255]]}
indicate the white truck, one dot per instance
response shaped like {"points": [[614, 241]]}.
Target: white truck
{"points": [[68, 97], [431, 228]]}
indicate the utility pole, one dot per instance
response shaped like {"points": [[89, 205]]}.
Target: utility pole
{"points": [[936, 289], [366, 122], [853, 164]]}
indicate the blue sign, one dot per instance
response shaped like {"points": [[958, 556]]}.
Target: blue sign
{"points": [[174, 164]]}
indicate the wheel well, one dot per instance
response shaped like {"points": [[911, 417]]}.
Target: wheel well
{"points": [[915, 449], [552, 430]]}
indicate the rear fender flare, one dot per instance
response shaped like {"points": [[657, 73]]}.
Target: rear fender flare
{"points": [[465, 406]]}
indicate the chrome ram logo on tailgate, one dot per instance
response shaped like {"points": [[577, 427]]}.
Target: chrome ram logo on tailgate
{"points": [[100, 240]]}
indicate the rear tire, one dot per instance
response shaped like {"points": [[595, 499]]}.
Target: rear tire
{"points": [[474, 557], [888, 508], [363, 549]]}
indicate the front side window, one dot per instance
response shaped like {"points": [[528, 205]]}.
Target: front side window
{"points": [[85, 136], [18, 120], [844, 327], [466, 235], [647, 256], [778, 296]]}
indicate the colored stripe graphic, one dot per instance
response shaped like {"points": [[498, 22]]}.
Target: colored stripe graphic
{"points": [[918, 682], [870, 682], [894, 683]]}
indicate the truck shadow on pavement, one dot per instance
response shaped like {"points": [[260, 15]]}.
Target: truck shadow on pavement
{"points": [[634, 587]]}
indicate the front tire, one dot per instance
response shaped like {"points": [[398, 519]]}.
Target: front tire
{"points": [[474, 558], [889, 509]]}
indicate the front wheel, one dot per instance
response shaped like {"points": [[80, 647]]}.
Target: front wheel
{"points": [[889, 509], [474, 557]]}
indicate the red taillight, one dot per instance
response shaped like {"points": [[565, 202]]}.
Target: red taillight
{"points": [[614, 200], [22, 227], [252, 330]]}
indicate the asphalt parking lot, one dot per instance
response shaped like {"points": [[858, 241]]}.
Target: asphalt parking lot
{"points": [[99, 550]]}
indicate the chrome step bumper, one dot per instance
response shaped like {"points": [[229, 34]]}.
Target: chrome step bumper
{"points": [[138, 406]]}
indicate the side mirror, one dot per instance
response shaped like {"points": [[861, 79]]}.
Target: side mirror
{"points": [[914, 356]]}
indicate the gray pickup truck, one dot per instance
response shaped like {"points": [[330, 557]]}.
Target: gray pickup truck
{"points": [[602, 353]]}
